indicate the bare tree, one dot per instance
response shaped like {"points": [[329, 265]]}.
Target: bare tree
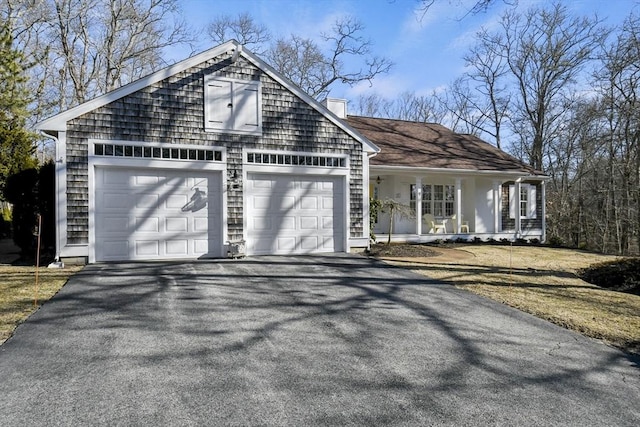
{"points": [[243, 28], [371, 105], [87, 47], [545, 50], [315, 71], [488, 71], [467, 112], [479, 6]]}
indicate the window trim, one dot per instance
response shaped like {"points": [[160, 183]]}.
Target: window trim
{"points": [[530, 206], [429, 205], [237, 85]]}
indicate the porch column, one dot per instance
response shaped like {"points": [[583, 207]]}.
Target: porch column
{"points": [[517, 209], [543, 188], [458, 205], [418, 206], [497, 196]]}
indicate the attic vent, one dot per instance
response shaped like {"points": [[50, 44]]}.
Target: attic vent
{"points": [[296, 160], [138, 151]]}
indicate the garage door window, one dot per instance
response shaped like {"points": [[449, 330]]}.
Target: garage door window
{"points": [[137, 151], [296, 160]]}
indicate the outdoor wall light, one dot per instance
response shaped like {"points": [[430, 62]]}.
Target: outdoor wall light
{"points": [[234, 181]]}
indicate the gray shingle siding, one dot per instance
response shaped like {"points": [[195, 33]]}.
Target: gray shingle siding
{"points": [[509, 224], [172, 111]]}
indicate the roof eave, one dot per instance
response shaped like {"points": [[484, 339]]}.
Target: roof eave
{"points": [[419, 169]]}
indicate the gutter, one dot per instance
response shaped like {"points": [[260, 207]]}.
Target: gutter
{"points": [[56, 263]]}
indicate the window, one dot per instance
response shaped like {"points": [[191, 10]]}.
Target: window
{"points": [[527, 208], [297, 160], [437, 200], [119, 150], [232, 105]]}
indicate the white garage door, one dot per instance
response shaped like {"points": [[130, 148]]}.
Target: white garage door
{"points": [[294, 214], [148, 214]]}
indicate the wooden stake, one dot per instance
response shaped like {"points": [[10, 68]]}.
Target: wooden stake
{"points": [[35, 299], [510, 263]]}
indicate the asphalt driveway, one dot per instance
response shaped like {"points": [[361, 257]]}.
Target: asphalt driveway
{"points": [[327, 340]]}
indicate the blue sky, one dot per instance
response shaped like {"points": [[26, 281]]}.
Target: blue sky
{"points": [[427, 52]]}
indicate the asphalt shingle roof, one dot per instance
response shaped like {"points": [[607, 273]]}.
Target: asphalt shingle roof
{"points": [[429, 145]]}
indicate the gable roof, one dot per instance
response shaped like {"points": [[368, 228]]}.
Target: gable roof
{"points": [[58, 122], [433, 146]]}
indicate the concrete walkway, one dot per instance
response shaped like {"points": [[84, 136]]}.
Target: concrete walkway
{"points": [[327, 340]]}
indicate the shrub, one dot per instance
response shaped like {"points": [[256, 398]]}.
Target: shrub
{"points": [[31, 192], [21, 191], [556, 241], [620, 275]]}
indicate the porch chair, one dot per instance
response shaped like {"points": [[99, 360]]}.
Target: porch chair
{"points": [[435, 226], [464, 225]]}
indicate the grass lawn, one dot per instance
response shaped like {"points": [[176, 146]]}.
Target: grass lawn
{"points": [[17, 292], [540, 281]]}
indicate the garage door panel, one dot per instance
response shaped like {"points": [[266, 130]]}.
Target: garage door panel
{"points": [[114, 248], [176, 201], [200, 245], [262, 202], [304, 214], [176, 224], [115, 224], [157, 214], [200, 224], [147, 248], [286, 244], [285, 223], [118, 178], [328, 243], [145, 180], [327, 202], [115, 201], [145, 201], [327, 223], [260, 223], [309, 243], [150, 224], [309, 223], [177, 247], [309, 202]]}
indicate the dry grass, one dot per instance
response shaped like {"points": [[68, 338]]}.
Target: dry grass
{"points": [[17, 293], [542, 281]]}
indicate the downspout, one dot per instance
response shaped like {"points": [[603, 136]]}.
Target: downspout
{"points": [[367, 202], [56, 263]]}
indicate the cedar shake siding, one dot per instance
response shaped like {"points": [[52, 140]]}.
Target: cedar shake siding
{"points": [[172, 111], [509, 224]]}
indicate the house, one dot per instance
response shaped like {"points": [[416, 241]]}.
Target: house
{"points": [[211, 151], [219, 153], [458, 186]]}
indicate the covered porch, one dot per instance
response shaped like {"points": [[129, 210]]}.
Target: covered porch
{"points": [[462, 205]]}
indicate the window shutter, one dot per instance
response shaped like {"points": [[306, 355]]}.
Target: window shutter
{"points": [[246, 106], [512, 202], [532, 202], [219, 105]]}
